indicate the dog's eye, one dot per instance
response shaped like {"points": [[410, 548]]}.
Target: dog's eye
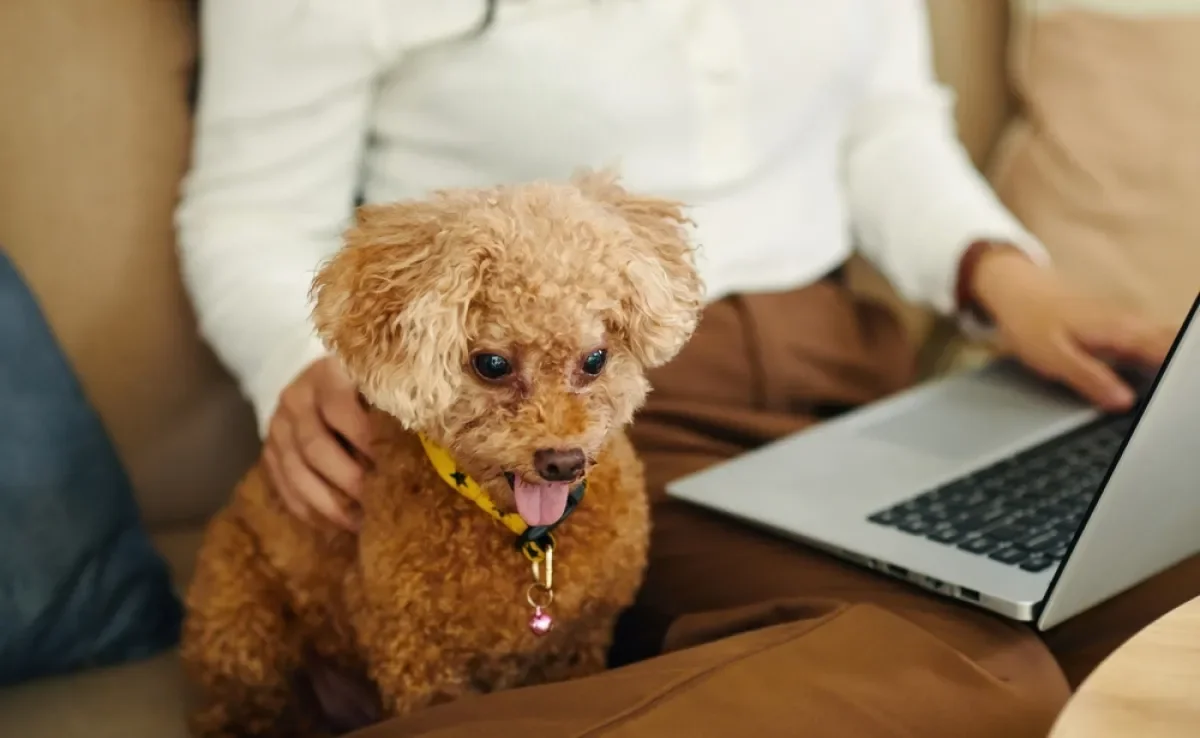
{"points": [[492, 367], [594, 362]]}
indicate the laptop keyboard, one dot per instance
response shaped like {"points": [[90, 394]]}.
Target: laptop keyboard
{"points": [[1022, 511]]}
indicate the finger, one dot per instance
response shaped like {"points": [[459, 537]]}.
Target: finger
{"points": [[283, 490], [1092, 378], [347, 418], [296, 506], [328, 458], [317, 493], [342, 410], [279, 434], [1137, 341]]}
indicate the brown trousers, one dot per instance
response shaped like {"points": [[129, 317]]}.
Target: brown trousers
{"points": [[764, 637]]}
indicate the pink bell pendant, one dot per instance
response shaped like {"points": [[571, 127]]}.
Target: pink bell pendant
{"points": [[541, 622]]}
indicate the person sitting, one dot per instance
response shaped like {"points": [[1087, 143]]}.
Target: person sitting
{"points": [[797, 132]]}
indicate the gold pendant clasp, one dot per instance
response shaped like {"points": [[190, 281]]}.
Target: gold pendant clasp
{"points": [[540, 595]]}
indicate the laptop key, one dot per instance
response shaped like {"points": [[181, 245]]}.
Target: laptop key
{"points": [[978, 545], [1008, 555], [916, 526], [1041, 541], [993, 515], [885, 517], [1009, 532], [946, 534], [1037, 562], [974, 522], [937, 513], [1057, 511]]}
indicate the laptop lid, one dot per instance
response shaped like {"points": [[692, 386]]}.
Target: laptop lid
{"points": [[1146, 517]]}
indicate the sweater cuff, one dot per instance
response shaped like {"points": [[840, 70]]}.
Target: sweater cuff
{"points": [[973, 320], [947, 300]]}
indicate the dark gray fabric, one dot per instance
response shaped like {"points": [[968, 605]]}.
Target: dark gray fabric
{"points": [[80, 584]]}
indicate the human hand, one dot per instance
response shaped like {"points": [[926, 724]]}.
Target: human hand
{"points": [[311, 442], [1062, 333]]}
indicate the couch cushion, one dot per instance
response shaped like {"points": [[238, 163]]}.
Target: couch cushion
{"points": [[179, 545], [144, 700], [93, 141], [147, 699], [80, 584], [970, 46], [1102, 164]]}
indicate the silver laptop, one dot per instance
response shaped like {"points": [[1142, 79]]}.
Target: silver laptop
{"points": [[990, 487]]}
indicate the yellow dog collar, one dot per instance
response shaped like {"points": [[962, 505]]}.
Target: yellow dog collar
{"points": [[533, 542], [537, 543]]}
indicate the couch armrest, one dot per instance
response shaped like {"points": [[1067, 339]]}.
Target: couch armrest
{"points": [[93, 141]]}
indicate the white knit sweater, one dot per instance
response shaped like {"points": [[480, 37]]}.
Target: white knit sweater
{"points": [[796, 130]]}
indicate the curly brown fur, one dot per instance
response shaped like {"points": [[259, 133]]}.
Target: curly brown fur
{"points": [[429, 599]]}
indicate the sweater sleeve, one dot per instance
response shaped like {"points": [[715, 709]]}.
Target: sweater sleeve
{"points": [[285, 92], [916, 201]]}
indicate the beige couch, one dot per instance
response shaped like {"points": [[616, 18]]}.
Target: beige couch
{"points": [[93, 140]]}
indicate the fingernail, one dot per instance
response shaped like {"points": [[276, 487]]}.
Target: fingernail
{"points": [[1123, 398]]}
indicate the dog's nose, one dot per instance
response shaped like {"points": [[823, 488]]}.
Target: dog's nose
{"points": [[559, 465]]}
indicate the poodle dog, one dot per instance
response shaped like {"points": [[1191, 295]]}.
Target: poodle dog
{"points": [[500, 338]]}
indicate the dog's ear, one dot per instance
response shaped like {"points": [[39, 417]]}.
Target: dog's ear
{"points": [[392, 305], [664, 293]]}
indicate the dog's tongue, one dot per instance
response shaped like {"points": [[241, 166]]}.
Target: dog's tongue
{"points": [[540, 504]]}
